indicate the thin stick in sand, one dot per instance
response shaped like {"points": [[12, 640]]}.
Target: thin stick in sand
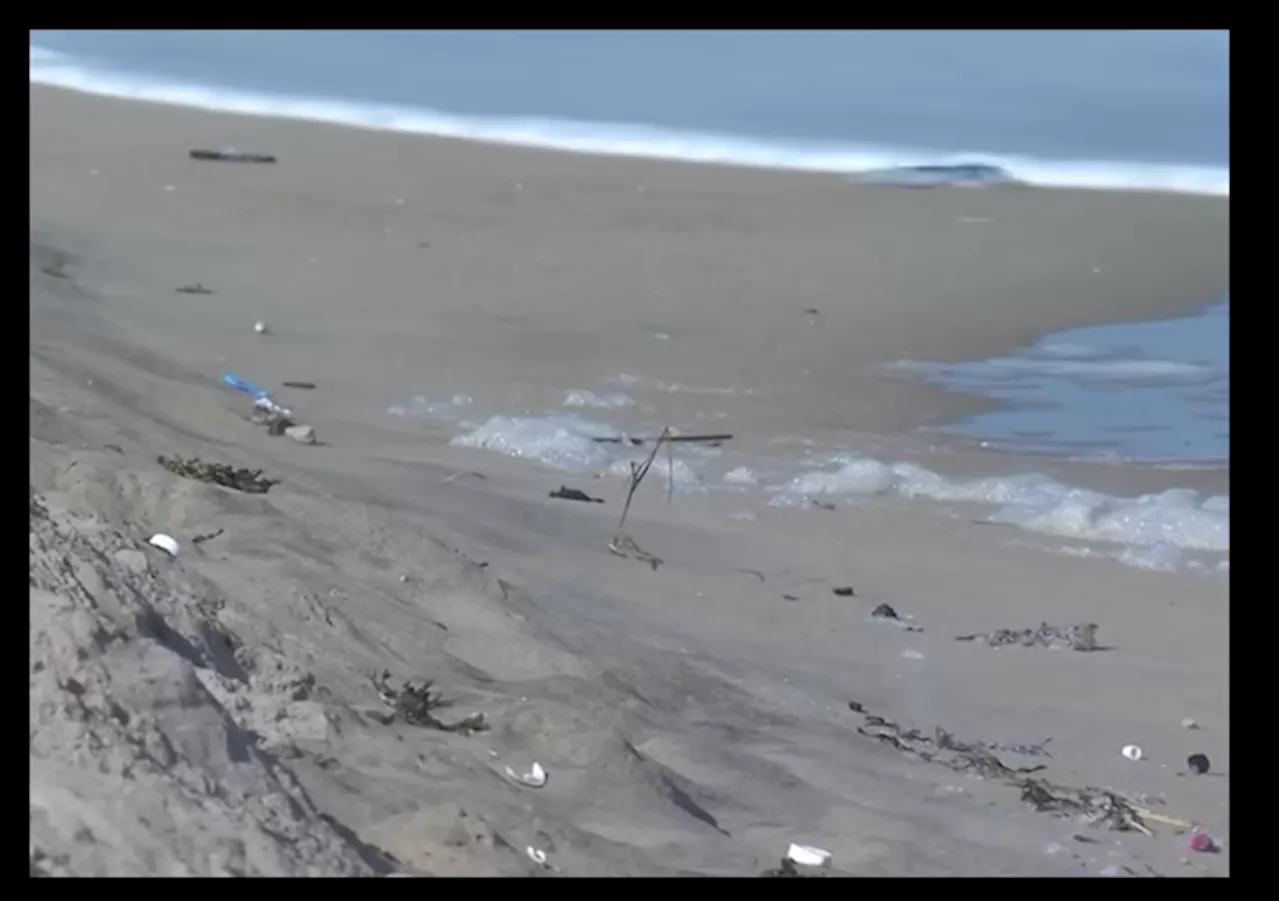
{"points": [[623, 544]]}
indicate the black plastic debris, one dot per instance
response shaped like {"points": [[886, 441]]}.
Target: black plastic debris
{"points": [[231, 155], [573, 494], [884, 611], [417, 704], [844, 591], [1198, 764]]}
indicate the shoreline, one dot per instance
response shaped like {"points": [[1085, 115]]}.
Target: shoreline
{"points": [[703, 347], [635, 142]]}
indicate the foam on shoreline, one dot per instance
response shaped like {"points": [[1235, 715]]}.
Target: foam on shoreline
{"points": [[619, 138], [1153, 531]]}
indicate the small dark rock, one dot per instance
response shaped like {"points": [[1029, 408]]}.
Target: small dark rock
{"points": [[884, 611], [1198, 764], [855, 707], [843, 591], [790, 597]]}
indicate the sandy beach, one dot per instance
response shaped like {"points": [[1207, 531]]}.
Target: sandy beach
{"points": [[214, 714]]}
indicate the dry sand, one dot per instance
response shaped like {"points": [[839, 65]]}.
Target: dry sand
{"points": [[213, 714]]}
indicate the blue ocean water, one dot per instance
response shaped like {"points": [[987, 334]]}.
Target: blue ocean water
{"points": [[1100, 109], [1107, 109], [1146, 391]]}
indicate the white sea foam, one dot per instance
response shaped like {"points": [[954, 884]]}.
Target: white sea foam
{"points": [[678, 473], [600, 401], [1177, 520], [561, 442], [740, 475], [422, 407], [1058, 364], [644, 381], [619, 139], [568, 442]]}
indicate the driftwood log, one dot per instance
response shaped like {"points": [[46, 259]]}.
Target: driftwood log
{"points": [[232, 156]]}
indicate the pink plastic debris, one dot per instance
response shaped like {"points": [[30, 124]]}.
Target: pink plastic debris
{"points": [[1201, 841]]}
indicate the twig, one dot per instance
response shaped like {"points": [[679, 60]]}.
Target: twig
{"points": [[674, 439], [671, 472], [622, 544]]}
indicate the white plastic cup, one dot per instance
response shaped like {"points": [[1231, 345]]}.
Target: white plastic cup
{"points": [[166, 543], [809, 856]]}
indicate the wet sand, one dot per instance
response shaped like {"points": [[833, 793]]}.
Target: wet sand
{"points": [[693, 720]]}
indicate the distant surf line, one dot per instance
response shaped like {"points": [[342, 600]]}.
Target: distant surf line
{"points": [[619, 139]]}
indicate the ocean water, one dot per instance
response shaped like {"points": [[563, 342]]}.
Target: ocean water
{"points": [[1143, 391], [1113, 110], [1107, 109]]}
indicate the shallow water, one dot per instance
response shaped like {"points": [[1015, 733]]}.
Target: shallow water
{"points": [[1142, 391]]}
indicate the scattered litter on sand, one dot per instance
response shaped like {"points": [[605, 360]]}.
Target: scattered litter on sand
{"points": [[536, 777], [786, 869], [1077, 637], [246, 480], [207, 536], [1097, 806], [303, 434], [809, 856], [883, 613], [1198, 764], [165, 543], [1202, 842], [231, 155], [573, 494], [416, 705]]}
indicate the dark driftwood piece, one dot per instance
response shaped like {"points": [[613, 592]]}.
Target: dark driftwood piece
{"points": [[232, 156], [670, 439]]}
